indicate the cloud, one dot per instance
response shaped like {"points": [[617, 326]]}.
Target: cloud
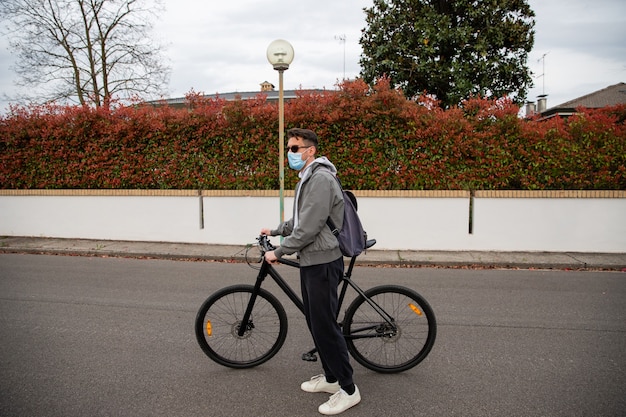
{"points": [[583, 43], [230, 41], [220, 46]]}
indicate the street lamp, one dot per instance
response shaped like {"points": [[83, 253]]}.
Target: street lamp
{"points": [[280, 54]]}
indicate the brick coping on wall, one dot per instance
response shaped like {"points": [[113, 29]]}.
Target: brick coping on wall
{"points": [[359, 193]]}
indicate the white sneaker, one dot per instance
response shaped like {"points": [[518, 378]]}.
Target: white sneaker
{"points": [[340, 402], [319, 384]]}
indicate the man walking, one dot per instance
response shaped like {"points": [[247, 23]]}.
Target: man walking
{"points": [[318, 196]]}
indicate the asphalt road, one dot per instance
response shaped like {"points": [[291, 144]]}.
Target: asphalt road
{"points": [[88, 336]]}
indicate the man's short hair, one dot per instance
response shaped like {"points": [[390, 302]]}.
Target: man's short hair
{"points": [[307, 135]]}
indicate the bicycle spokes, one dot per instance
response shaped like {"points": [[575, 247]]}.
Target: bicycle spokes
{"points": [[223, 336], [389, 345]]}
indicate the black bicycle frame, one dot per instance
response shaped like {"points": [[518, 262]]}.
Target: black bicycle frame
{"points": [[268, 269]]}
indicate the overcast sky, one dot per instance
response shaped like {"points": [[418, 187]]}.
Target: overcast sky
{"points": [[220, 46]]}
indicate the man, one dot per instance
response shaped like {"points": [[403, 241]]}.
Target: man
{"points": [[318, 196]]}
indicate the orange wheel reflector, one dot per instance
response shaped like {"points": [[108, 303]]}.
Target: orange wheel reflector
{"points": [[415, 309], [209, 328]]}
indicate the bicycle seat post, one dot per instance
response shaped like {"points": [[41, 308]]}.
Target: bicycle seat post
{"points": [[348, 273]]}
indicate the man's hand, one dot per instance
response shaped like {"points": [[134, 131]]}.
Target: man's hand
{"points": [[266, 232], [270, 257]]}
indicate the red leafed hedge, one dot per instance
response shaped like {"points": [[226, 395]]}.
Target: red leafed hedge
{"points": [[378, 140]]}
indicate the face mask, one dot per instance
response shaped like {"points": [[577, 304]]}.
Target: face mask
{"points": [[295, 161]]}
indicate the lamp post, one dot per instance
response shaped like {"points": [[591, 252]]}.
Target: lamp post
{"points": [[280, 55]]}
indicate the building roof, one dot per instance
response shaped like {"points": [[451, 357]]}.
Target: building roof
{"points": [[612, 95], [609, 96], [271, 95]]}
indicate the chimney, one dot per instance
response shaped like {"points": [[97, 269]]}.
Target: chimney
{"points": [[267, 86], [542, 103], [530, 108]]}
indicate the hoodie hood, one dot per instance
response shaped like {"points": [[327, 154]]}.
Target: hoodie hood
{"points": [[305, 174], [323, 161]]}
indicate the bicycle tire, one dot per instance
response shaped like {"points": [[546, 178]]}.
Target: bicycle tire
{"points": [[374, 344], [219, 319]]}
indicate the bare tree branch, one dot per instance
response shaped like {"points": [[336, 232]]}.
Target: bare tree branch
{"points": [[85, 51]]}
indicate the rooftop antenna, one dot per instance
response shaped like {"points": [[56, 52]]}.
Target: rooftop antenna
{"points": [[342, 39], [543, 74]]}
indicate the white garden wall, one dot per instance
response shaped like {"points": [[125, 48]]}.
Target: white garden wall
{"points": [[574, 221]]}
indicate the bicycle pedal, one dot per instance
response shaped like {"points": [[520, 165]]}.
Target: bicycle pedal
{"points": [[309, 357]]}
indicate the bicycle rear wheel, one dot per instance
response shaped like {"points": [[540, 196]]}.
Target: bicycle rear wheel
{"points": [[220, 317], [390, 347]]}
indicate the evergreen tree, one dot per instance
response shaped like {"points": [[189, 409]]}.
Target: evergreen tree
{"points": [[452, 49]]}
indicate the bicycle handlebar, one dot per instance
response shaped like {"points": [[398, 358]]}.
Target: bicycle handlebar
{"points": [[265, 244]]}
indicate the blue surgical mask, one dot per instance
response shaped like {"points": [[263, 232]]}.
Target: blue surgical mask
{"points": [[295, 161]]}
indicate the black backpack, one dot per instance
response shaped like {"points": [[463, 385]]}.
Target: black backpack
{"points": [[351, 237]]}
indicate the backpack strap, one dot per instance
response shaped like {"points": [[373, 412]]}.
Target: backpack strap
{"points": [[329, 222], [333, 228]]}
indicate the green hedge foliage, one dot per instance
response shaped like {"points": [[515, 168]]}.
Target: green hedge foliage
{"points": [[378, 139]]}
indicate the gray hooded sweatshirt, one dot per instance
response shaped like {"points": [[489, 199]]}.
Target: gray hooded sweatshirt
{"points": [[318, 195]]}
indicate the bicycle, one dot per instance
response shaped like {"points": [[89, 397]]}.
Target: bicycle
{"points": [[387, 328]]}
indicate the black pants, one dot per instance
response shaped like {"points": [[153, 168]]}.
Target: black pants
{"points": [[319, 293]]}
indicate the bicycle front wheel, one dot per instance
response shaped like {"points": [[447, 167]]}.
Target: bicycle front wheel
{"points": [[394, 346], [220, 318]]}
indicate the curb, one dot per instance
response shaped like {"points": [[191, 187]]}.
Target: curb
{"points": [[396, 258]]}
